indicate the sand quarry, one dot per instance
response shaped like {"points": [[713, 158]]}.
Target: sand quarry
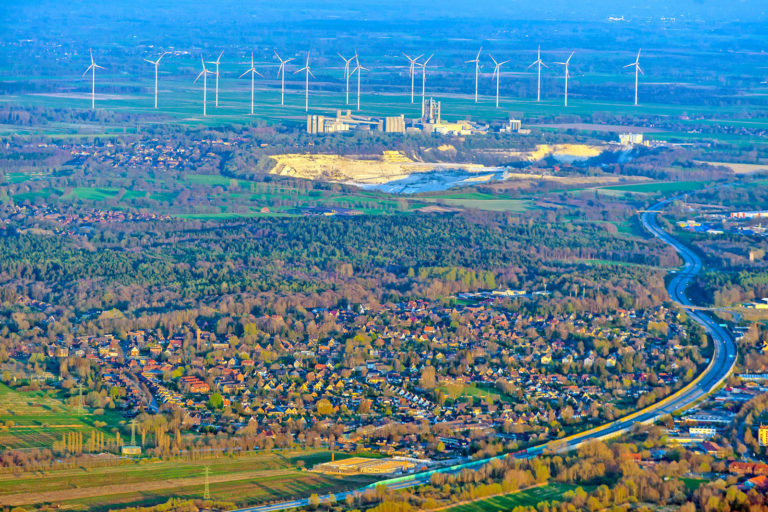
{"points": [[395, 165]]}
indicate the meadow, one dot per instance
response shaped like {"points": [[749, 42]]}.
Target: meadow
{"points": [[384, 92], [39, 418], [527, 498]]}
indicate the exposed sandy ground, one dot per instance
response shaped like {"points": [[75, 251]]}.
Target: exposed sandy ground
{"points": [[394, 165], [106, 490], [390, 166], [741, 168], [574, 151]]}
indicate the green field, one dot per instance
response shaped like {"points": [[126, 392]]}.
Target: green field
{"points": [[243, 480], [40, 418], [659, 187], [527, 498], [180, 101], [478, 391], [479, 201]]}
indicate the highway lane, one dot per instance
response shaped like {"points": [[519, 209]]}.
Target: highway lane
{"points": [[719, 368]]}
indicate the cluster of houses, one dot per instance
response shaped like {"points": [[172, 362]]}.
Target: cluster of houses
{"points": [[493, 370], [150, 153], [74, 217]]}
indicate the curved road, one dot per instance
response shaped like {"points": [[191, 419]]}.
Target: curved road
{"points": [[719, 368]]}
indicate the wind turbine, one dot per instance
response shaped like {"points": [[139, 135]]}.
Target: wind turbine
{"points": [[538, 62], [347, 74], [281, 75], [413, 63], [497, 75], [92, 69], [424, 82], [358, 69], [476, 60], [217, 61], [253, 72], [306, 82], [156, 63], [567, 64], [638, 71], [204, 73]]}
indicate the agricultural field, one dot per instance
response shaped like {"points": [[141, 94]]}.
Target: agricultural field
{"points": [[527, 498], [666, 187], [36, 419], [242, 480]]}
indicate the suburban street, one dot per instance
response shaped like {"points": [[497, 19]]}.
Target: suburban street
{"points": [[719, 368]]}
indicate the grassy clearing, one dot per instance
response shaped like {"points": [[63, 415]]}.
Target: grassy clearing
{"points": [[40, 418], [527, 498], [659, 187], [693, 483]]}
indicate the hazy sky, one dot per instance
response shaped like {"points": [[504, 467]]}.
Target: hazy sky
{"points": [[119, 10]]}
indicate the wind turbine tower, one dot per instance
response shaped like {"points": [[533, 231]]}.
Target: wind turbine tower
{"points": [[217, 62], [253, 72], [413, 63], [638, 72], [306, 82], [281, 75], [538, 63], [347, 73], [497, 75], [156, 63], [567, 64], [358, 69], [92, 69], [204, 73], [424, 82], [476, 60]]}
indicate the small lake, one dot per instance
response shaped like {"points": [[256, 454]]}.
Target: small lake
{"points": [[435, 181]]}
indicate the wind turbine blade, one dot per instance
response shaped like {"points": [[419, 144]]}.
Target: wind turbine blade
{"points": [[278, 56], [640, 70], [241, 76], [494, 60], [87, 70], [630, 65], [219, 59], [478, 53], [570, 56], [99, 67], [91, 52], [262, 76], [502, 63], [311, 73], [198, 76], [426, 61], [150, 61], [529, 67]]}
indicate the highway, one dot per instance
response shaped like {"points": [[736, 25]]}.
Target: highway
{"points": [[719, 368]]}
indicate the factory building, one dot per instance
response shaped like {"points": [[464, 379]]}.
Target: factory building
{"points": [[345, 121]]}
